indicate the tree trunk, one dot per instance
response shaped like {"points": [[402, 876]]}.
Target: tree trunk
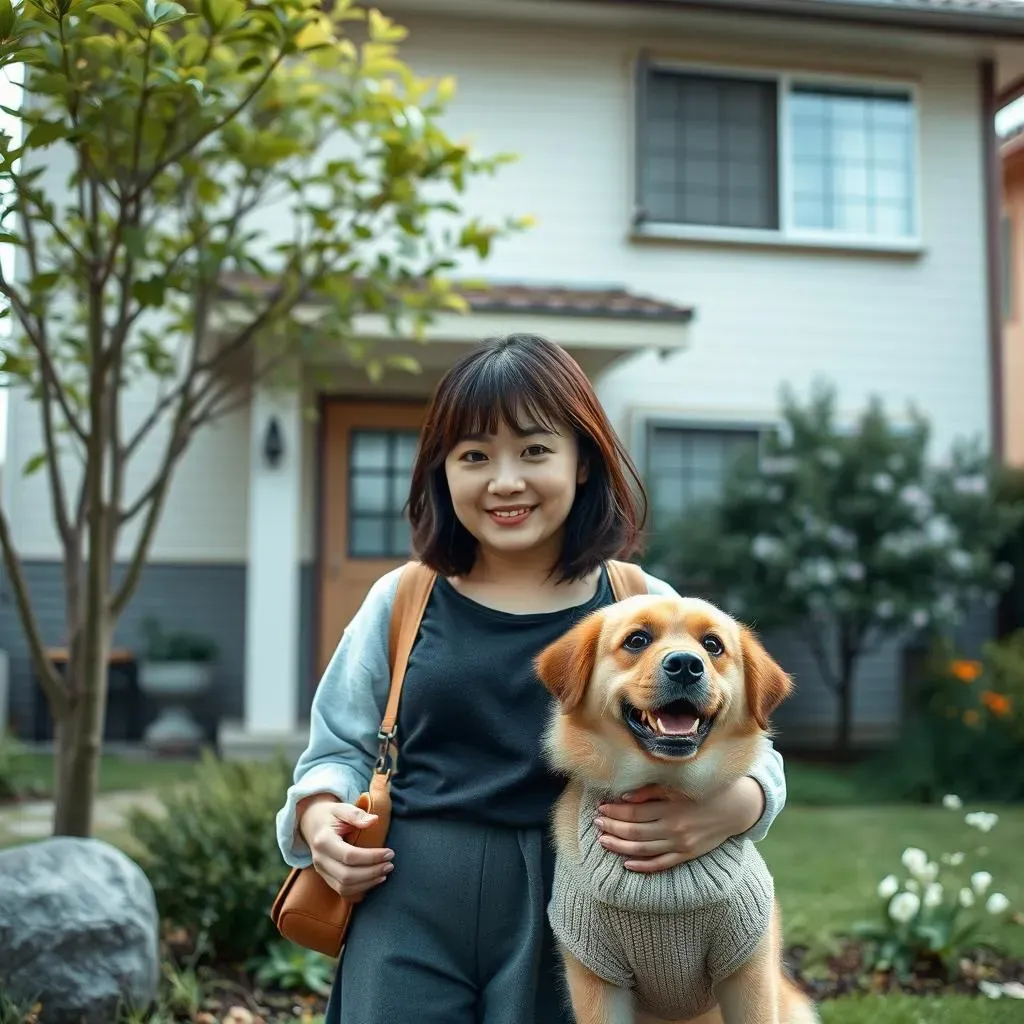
{"points": [[79, 733], [844, 694]]}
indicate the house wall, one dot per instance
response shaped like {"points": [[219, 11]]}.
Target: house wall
{"points": [[903, 327]]}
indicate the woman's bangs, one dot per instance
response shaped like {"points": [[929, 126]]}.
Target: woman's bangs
{"points": [[496, 395]]}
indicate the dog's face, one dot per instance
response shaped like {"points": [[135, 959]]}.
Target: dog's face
{"points": [[670, 677]]}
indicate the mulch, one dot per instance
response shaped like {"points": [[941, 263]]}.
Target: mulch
{"points": [[841, 972], [232, 999]]}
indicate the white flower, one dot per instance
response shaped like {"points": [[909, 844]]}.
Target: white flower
{"points": [[780, 465], [976, 484], [839, 538], [830, 457], [991, 989], [767, 549], [916, 498], [983, 821], [1013, 989], [919, 618], [885, 609], [980, 881], [854, 571], [914, 860], [933, 895], [966, 898], [997, 903], [940, 531], [904, 907], [911, 885], [952, 802], [883, 483], [930, 873], [960, 560], [888, 887], [956, 859]]}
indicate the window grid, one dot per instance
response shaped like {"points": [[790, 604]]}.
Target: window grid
{"points": [[379, 470], [690, 465], [873, 196]]}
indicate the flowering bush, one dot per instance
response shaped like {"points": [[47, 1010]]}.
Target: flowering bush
{"points": [[965, 729], [932, 910], [850, 535]]}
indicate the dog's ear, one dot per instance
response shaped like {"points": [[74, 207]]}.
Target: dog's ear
{"points": [[767, 685], [565, 667]]}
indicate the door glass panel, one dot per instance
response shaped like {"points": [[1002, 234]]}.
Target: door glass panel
{"points": [[380, 468]]}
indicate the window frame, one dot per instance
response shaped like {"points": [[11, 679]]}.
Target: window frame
{"points": [[389, 474], [787, 234], [666, 421]]}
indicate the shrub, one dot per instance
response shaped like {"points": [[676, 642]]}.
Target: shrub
{"points": [[964, 731], [12, 780], [212, 856], [932, 910]]}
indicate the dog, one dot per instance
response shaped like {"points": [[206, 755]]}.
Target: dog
{"points": [[673, 692]]}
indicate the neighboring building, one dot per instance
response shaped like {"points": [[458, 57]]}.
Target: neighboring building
{"points": [[1011, 279], [729, 195]]}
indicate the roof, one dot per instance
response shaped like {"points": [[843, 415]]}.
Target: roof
{"points": [[986, 17], [526, 299]]}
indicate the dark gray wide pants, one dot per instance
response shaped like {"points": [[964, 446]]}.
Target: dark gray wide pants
{"points": [[458, 934]]}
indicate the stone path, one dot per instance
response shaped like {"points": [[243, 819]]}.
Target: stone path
{"points": [[33, 819]]}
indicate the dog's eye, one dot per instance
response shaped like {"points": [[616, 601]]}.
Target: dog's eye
{"points": [[637, 640], [713, 645]]}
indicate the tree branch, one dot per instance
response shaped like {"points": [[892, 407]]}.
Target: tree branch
{"points": [[56, 691]]}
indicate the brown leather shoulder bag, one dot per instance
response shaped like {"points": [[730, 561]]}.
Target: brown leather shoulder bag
{"points": [[307, 910]]}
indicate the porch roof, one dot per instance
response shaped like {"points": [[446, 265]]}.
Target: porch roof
{"points": [[599, 325]]}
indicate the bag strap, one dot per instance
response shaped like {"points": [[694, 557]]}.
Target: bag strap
{"points": [[414, 587], [627, 579]]}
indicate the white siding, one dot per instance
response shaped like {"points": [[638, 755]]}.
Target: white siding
{"points": [[902, 327]]}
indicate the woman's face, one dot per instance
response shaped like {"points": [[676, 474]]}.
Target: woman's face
{"points": [[513, 490]]}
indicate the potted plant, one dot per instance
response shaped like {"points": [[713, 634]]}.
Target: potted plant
{"points": [[175, 667]]}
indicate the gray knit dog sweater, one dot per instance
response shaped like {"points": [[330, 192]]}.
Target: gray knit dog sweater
{"points": [[670, 936]]}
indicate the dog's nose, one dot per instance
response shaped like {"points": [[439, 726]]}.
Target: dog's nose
{"points": [[682, 666]]}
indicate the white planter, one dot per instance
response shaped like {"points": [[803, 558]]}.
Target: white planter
{"points": [[174, 730], [174, 678]]}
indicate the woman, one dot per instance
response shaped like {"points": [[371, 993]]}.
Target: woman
{"points": [[520, 493]]}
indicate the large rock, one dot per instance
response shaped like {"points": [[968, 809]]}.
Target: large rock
{"points": [[78, 930]]}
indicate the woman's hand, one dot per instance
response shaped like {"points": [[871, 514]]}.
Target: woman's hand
{"points": [[658, 828], [347, 869]]}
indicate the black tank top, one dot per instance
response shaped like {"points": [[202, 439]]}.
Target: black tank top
{"points": [[473, 712]]}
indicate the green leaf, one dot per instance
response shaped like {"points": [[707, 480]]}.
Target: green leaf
{"points": [[149, 292], [7, 19], [45, 132], [34, 464], [117, 14]]}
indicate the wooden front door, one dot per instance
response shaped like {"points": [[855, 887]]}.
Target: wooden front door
{"points": [[365, 467]]}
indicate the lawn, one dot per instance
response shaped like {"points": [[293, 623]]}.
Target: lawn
{"points": [[117, 772]]}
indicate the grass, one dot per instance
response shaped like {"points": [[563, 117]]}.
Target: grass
{"points": [[913, 1010], [828, 861], [118, 773]]}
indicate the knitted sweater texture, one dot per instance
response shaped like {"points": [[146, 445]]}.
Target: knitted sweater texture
{"points": [[670, 936]]}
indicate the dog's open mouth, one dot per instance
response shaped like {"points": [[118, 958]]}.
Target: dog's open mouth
{"points": [[672, 730]]}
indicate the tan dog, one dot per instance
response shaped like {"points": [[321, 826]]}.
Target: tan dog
{"points": [[669, 691]]}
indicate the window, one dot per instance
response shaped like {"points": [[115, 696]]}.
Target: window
{"points": [[379, 471], [687, 466], [777, 154]]}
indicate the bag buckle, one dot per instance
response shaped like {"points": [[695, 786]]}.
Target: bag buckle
{"points": [[386, 751]]}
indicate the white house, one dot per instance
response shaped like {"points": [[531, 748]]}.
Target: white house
{"points": [[729, 196]]}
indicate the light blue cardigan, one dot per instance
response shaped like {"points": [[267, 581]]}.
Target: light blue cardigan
{"points": [[349, 705]]}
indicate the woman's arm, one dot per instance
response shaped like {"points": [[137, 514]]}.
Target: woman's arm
{"points": [[344, 719]]}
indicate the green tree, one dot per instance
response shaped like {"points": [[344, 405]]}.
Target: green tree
{"points": [[281, 145], [847, 537]]}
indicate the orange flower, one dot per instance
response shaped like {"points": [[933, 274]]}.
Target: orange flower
{"points": [[971, 717], [996, 703], [964, 670]]}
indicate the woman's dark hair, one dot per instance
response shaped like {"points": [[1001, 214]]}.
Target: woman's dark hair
{"points": [[501, 382]]}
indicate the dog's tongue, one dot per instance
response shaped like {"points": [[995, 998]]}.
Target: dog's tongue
{"points": [[677, 725]]}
